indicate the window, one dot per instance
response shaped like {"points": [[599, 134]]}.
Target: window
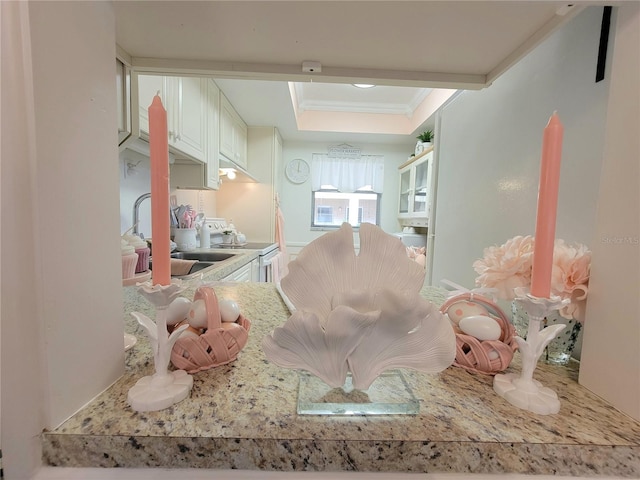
{"points": [[332, 208], [324, 215], [346, 187]]}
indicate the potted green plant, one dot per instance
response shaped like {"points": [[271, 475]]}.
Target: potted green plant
{"points": [[227, 236], [426, 137], [425, 140]]}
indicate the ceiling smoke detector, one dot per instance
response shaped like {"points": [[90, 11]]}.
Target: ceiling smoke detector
{"points": [[311, 67]]}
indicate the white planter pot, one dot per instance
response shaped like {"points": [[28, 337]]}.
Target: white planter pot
{"points": [[422, 146]]}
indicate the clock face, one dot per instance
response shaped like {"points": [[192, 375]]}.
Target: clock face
{"points": [[297, 171]]}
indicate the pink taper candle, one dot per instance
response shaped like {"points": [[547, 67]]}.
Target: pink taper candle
{"points": [[547, 208], [159, 152]]}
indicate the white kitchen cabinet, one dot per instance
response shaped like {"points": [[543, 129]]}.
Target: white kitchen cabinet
{"points": [[416, 190], [185, 100], [255, 270], [243, 274], [123, 92], [233, 134], [190, 135], [212, 176], [196, 175]]}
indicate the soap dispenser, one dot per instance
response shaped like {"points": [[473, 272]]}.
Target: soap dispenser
{"points": [[205, 235]]}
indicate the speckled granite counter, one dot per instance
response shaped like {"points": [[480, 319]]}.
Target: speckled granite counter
{"points": [[242, 416]]}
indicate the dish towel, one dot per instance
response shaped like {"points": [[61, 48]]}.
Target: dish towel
{"points": [[279, 267], [279, 263], [181, 267]]}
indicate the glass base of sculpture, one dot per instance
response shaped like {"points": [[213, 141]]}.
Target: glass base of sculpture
{"points": [[389, 394]]}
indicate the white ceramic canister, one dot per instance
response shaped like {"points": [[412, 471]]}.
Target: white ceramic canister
{"points": [[185, 239]]}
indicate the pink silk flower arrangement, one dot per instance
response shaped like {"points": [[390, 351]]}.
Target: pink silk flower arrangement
{"points": [[509, 266]]}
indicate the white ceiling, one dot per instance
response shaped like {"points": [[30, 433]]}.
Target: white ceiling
{"points": [[340, 97], [253, 47]]}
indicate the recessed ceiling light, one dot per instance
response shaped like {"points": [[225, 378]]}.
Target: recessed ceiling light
{"points": [[363, 85]]}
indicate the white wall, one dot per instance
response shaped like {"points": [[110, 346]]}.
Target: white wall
{"points": [[490, 147], [612, 326], [22, 412], [61, 273], [295, 200], [251, 206], [132, 185]]}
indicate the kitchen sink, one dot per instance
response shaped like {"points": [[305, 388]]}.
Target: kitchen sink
{"points": [[204, 260], [200, 266], [203, 256]]}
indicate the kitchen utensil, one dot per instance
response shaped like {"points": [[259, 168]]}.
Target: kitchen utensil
{"points": [[185, 220], [174, 217], [199, 221]]}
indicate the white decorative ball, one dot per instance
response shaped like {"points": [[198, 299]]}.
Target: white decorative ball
{"points": [[481, 327], [178, 310], [197, 317], [465, 308], [229, 310]]}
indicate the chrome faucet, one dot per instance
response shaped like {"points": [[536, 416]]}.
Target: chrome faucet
{"points": [[136, 211]]}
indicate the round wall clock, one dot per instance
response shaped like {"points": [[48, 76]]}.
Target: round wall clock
{"points": [[297, 170]]}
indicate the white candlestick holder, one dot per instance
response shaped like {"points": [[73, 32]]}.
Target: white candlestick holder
{"points": [[164, 388], [522, 390]]}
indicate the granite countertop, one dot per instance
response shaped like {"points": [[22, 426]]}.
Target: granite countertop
{"points": [[243, 416]]}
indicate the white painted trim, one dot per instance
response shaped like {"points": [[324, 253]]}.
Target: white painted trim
{"points": [[533, 41], [123, 55], [265, 71]]}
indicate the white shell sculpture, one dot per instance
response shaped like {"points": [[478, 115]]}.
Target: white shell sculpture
{"points": [[359, 313]]}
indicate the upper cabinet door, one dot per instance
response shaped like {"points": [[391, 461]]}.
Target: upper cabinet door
{"points": [[123, 91], [148, 87], [415, 190], [227, 140], [421, 188], [240, 139], [212, 176], [233, 134], [190, 104], [185, 100], [405, 191]]}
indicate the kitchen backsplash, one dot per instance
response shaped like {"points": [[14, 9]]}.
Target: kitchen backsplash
{"points": [[135, 180]]}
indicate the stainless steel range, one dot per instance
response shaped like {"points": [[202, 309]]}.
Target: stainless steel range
{"points": [[266, 251]]}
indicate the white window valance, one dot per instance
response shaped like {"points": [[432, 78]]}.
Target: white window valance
{"points": [[347, 174]]}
